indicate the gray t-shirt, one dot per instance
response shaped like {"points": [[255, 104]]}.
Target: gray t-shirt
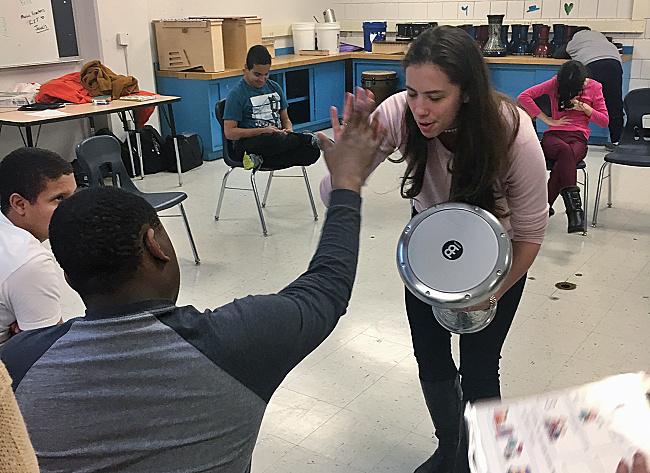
{"points": [[588, 46], [151, 387]]}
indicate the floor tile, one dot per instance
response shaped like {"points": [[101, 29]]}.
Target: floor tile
{"points": [[357, 440], [301, 460]]}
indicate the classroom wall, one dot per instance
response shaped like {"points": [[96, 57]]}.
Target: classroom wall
{"points": [[99, 21], [60, 137], [543, 11]]}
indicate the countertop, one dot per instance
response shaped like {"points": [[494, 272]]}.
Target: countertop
{"points": [[294, 60]]}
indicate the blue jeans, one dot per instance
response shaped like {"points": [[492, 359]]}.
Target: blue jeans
{"points": [[480, 352]]}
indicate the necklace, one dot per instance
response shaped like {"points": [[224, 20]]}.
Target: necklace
{"points": [[450, 130]]}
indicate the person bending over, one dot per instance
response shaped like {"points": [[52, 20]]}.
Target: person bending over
{"points": [[576, 101], [256, 118], [603, 63], [140, 384], [33, 182], [462, 142]]}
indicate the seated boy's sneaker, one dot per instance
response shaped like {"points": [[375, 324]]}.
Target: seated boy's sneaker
{"points": [[611, 146], [315, 142], [252, 160]]}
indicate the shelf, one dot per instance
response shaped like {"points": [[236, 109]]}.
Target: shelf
{"points": [[298, 99]]}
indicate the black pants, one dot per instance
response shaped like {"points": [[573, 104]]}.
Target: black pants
{"points": [[609, 73], [280, 150], [480, 352]]}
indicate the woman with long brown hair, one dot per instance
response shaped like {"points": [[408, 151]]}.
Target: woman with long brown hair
{"points": [[462, 142]]}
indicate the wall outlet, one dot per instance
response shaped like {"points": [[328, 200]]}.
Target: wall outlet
{"points": [[123, 39]]}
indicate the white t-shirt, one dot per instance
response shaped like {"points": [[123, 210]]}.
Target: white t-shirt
{"points": [[29, 283]]}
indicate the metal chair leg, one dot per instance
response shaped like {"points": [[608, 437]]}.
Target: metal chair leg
{"points": [[598, 189], [609, 186], [257, 201], [311, 197], [268, 186], [223, 188], [586, 200], [189, 234]]}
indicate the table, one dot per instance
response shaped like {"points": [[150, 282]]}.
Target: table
{"points": [[25, 119]]}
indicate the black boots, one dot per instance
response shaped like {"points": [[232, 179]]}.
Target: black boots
{"points": [[444, 402], [574, 212]]}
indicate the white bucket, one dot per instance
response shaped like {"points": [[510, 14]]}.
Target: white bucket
{"points": [[304, 36], [328, 36]]}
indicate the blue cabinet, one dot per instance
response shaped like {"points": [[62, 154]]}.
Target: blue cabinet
{"points": [[310, 90], [328, 90]]}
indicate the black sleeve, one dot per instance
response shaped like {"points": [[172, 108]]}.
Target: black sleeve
{"points": [[24, 349], [259, 339]]}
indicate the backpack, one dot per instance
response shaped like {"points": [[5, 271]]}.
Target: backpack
{"points": [[190, 150]]}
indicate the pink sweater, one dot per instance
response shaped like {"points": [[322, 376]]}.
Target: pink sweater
{"points": [[521, 192], [592, 94]]}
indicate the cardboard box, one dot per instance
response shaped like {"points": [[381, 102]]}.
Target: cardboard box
{"points": [[185, 44], [390, 47], [239, 35], [269, 44]]}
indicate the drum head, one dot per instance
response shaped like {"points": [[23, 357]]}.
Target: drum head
{"points": [[378, 75], [454, 255]]}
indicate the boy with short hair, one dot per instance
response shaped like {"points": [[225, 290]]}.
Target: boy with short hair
{"points": [[256, 118], [33, 182]]}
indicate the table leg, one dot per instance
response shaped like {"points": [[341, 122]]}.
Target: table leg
{"points": [[92, 125], [138, 143], [128, 141], [172, 125], [30, 139]]}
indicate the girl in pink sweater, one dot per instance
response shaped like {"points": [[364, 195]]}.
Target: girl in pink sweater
{"points": [[575, 102]]}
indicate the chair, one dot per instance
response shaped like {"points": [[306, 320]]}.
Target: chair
{"points": [[634, 145], [544, 103], [230, 160], [103, 153]]}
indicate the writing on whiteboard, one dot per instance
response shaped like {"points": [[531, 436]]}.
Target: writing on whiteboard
{"points": [[27, 34], [36, 19]]}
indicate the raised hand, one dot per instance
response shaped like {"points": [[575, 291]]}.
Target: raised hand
{"points": [[350, 158], [348, 105]]}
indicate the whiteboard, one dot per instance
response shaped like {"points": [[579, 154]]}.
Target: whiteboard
{"points": [[27, 34]]}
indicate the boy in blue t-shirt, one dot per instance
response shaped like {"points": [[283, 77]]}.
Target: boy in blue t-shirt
{"points": [[256, 118]]}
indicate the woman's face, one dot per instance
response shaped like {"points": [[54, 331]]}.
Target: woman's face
{"points": [[432, 98]]}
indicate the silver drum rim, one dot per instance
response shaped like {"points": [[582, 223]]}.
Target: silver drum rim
{"points": [[468, 297]]}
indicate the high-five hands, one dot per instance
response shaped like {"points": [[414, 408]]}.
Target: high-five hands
{"points": [[350, 158], [348, 106]]}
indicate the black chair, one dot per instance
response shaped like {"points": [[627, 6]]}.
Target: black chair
{"points": [[230, 159], [544, 103], [634, 145], [100, 156]]}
